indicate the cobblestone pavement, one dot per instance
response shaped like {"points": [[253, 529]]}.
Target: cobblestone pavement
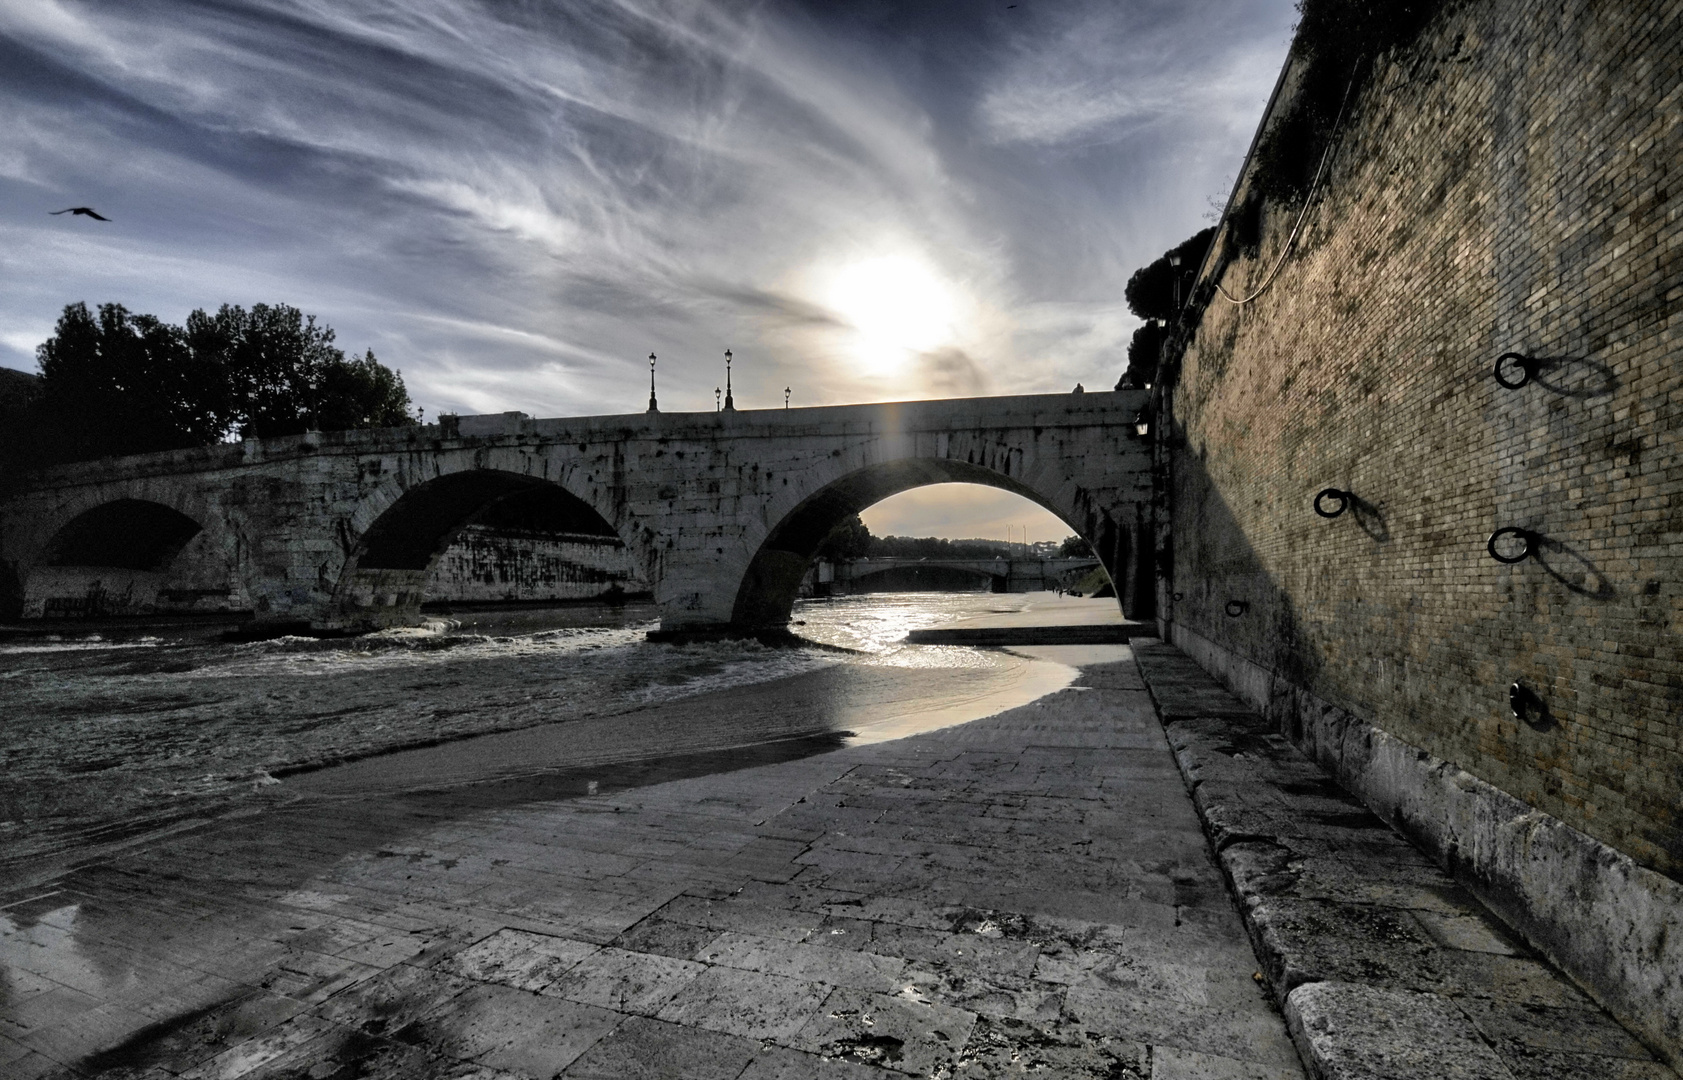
{"points": [[1029, 894]]}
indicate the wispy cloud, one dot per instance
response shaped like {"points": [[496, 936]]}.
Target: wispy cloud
{"points": [[516, 204], [1106, 72]]}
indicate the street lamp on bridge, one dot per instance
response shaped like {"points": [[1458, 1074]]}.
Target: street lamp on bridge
{"points": [[652, 406], [730, 403]]}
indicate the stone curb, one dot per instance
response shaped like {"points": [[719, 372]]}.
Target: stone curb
{"points": [[1384, 967]]}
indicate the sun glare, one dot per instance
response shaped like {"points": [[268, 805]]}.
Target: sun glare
{"points": [[898, 305]]}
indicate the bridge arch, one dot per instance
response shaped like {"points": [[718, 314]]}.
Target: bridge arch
{"points": [[124, 534], [123, 550], [766, 594], [397, 536]]}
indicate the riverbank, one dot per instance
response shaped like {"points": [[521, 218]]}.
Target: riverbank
{"points": [[1026, 891], [115, 736]]}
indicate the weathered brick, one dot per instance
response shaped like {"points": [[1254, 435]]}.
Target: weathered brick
{"points": [[1508, 183]]}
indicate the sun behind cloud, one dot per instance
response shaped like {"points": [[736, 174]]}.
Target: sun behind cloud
{"points": [[898, 307]]}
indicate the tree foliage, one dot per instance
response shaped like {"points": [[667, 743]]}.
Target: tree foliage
{"points": [[849, 540], [1152, 295], [934, 547], [1074, 547], [1150, 292], [1144, 348], [123, 383], [116, 382], [852, 539], [1337, 41]]}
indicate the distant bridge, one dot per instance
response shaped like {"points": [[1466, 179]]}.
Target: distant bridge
{"points": [[1024, 574], [720, 512]]}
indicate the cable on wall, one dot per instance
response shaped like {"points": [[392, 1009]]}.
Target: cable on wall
{"points": [[1308, 201]]}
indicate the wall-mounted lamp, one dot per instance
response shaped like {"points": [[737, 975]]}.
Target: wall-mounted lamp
{"points": [[1501, 544], [1236, 608], [1326, 497], [1514, 370], [1140, 426]]}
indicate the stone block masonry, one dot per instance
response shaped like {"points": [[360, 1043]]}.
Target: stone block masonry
{"points": [[1508, 183], [484, 565], [1383, 966], [719, 513]]}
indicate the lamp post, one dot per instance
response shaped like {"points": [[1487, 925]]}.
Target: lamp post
{"points": [[1174, 263], [716, 393], [652, 406], [785, 399], [730, 404]]}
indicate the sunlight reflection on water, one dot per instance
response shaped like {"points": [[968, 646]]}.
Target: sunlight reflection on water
{"points": [[108, 732]]}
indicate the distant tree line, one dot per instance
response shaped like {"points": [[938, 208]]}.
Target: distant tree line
{"points": [[852, 539], [118, 382]]}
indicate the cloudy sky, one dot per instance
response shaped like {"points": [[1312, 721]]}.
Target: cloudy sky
{"points": [[516, 202]]}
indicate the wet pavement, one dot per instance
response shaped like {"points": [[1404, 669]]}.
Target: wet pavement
{"points": [[1027, 894], [116, 733]]}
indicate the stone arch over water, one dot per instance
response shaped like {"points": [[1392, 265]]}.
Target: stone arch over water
{"points": [[126, 550], [124, 534], [766, 595], [406, 528]]}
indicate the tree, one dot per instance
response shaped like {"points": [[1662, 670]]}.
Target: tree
{"points": [[20, 441], [1156, 293], [1074, 547], [1151, 292], [360, 392], [849, 540], [124, 383], [1143, 351], [285, 376]]}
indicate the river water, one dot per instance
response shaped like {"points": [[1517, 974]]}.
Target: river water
{"points": [[107, 736]]}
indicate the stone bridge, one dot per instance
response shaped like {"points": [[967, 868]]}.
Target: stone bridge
{"points": [[1019, 574], [720, 512]]}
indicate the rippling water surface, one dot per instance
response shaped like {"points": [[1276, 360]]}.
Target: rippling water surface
{"points": [[108, 735]]}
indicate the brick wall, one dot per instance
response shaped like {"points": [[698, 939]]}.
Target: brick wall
{"points": [[1513, 181]]}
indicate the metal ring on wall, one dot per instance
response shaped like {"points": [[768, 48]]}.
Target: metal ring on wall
{"points": [[1527, 707], [1525, 536], [1236, 608], [1343, 498], [1527, 369]]}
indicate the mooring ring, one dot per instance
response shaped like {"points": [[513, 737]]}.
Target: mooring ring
{"points": [[1527, 368], [1343, 498], [1527, 707], [1524, 536], [1236, 608]]}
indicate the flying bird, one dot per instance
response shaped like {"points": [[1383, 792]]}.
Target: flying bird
{"points": [[82, 211]]}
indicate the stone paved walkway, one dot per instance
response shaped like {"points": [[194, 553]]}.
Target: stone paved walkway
{"points": [[1025, 895], [1383, 964]]}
